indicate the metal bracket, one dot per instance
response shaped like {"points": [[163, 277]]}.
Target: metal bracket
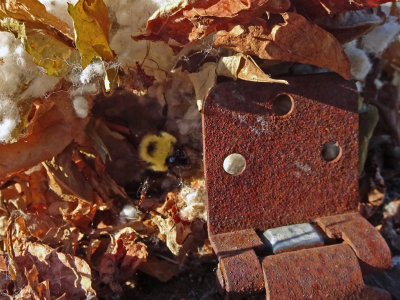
{"points": [[278, 155]]}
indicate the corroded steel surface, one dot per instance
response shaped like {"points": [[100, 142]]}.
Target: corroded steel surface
{"points": [[286, 180], [330, 272], [225, 244], [369, 246], [239, 270], [242, 273]]}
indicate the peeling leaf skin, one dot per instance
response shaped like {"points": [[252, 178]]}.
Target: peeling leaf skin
{"points": [[296, 40], [91, 23]]}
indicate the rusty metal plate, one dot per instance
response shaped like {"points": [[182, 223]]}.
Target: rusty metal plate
{"points": [[227, 244], [330, 272], [285, 180], [364, 239], [241, 274]]}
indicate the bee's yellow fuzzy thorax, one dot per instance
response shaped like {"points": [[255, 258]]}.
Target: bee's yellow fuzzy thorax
{"points": [[155, 149]]}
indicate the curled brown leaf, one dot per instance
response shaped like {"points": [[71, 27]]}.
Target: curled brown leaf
{"points": [[295, 40], [34, 12], [184, 22]]}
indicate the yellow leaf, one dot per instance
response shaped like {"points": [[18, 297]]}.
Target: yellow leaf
{"points": [[35, 12], [92, 23], [46, 48]]}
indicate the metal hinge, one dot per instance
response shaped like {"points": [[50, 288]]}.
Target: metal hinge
{"points": [[282, 182]]}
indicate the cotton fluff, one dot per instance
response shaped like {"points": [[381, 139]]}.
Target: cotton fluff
{"points": [[94, 69], [157, 56], [360, 63], [9, 119], [20, 79], [129, 212], [59, 8], [18, 73], [380, 37], [192, 201], [81, 106]]}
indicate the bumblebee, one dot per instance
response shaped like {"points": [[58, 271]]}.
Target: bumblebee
{"points": [[160, 151]]}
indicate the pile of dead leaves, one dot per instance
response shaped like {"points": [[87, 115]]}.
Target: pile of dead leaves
{"points": [[83, 209]]}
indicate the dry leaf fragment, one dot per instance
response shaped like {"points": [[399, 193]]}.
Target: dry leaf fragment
{"points": [[350, 25], [203, 81], [295, 40], [54, 126], [45, 46], [368, 119], [33, 11], [238, 66], [66, 273], [243, 67], [182, 22], [391, 57], [66, 180], [92, 23], [388, 103], [161, 269], [123, 257], [320, 8]]}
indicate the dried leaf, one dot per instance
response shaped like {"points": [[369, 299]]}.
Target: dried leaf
{"points": [[161, 269], [391, 57], [388, 103], [243, 67], [237, 66], [295, 40], [45, 46], [350, 25], [367, 120], [183, 22], [66, 180], [50, 229], [203, 81], [65, 273], [122, 259], [376, 197], [33, 11], [320, 8], [92, 23], [53, 127]]}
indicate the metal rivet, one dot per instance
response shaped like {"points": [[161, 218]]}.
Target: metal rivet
{"points": [[234, 164]]}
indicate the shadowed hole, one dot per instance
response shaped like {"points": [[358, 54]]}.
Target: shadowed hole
{"points": [[331, 151], [283, 105]]}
